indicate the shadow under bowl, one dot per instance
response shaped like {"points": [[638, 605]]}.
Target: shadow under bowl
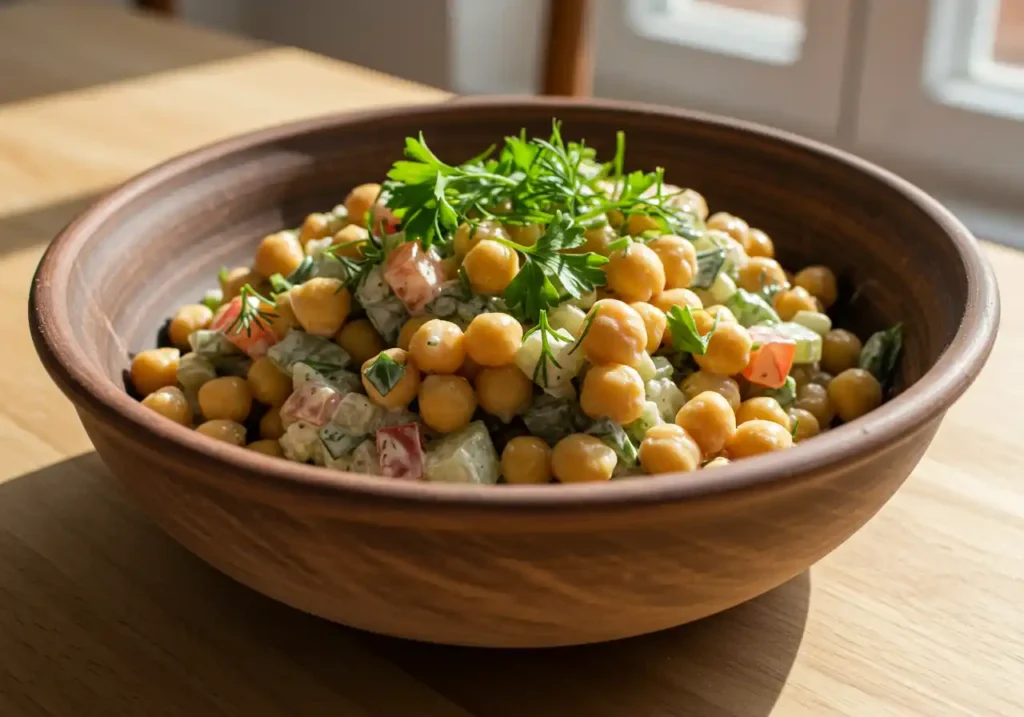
{"points": [[511, 565]]}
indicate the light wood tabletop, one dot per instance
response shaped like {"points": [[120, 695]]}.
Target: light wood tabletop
{"points": [[101, 614]]}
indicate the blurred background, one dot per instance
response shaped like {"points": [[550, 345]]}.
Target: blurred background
{"points": [[933, 89]]}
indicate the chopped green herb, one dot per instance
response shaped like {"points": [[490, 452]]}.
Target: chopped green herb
{"points": [[709, 264], [251, 312], [881, 354], [796, 424], [303, 272], [540, 372], [222, 275], [278, 284], [685, 336], [586, 329], [322, 366], [212, 299], [384, 373]]}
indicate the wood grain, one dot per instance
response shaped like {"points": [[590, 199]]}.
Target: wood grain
{"points": [[101, 614], [568, 54]]}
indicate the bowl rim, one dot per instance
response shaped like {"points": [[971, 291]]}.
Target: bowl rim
{"points": [[89, 388]]}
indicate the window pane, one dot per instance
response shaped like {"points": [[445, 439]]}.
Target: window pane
{"points": [[792, 9], [1008, 47]]}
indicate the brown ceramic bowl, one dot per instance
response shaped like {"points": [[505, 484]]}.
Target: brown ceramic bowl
{"points": [[510, 565]]}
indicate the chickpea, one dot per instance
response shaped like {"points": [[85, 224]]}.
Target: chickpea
{"points": [[691, 202], [582, 458], [655, 322], [596, 240], [760, 272], [283, 319], [227, 397], [267, 448], [360, 340], [700, 381], [409, 329], [450, 267], [617, 334], [493, 339], [318, 226], [278, 253], [504, 391], [820, 282], [639, 223], [467, 236], [526, 459], [233, 280], [722, 313], [321, 305], [762, 408], [170, 402], [346, 236], [703, 320], [677, 297], [789, 301], [720, 462], [403, 392], [189, 318], [730, 224], [491, 267], [271, 427], [728, 350], [810, 373], [525, 235], [758, 243], [223, 430], [668, 448], [755, 437], [635, 273], [438, 347], [267, 383], [814, 399], [710, 421], [679, 259], [446, 402], [840, 350], [153, 369], [613, 391], [854, 392], [360, 200], [803, 424]]}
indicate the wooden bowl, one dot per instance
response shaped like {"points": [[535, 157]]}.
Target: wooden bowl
{"points": [[510, 565]]}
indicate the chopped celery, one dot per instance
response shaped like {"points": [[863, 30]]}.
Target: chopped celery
{"points": [[816, 321], [647, 369], [662, 367], [808, 342], [785, 395], [567, 317], [648, 419], [467, 456], [750, 309], [667, 396]]}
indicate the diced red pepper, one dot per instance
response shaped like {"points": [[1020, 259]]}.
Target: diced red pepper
{"points": [[313, 403], [771, 361], [401, 451], [254, 341], [384, 220], [414, 275]]}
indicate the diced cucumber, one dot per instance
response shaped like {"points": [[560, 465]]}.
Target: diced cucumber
{"points": [[568, 317], [212, 299], [357, 415], [816, 321], [723, 288], [560, 372], [315, 351], [785, 394], [338, 443], [387, 317], [667, 396], [662, 367], [301, 442], [735, 256], [646, 368], [750, 309], [210, 343], [808, 342], [552, 419], [615, 437], [467, 456], [341, 381], [365, 459], [648, 419], [195, 370], [709, 266]]}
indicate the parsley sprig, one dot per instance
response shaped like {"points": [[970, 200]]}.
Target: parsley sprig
{"points": [[684, 333]]}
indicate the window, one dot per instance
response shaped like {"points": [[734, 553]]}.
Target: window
{"points": [[777, 61]]}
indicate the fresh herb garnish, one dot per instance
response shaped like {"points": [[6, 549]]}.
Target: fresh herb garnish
{"points": [[881, 354], [384, 373], [303, 272], [683, 329], [547, 275], [322, 366], [278, 284], [251, 312], [796, 424], [356, 268], [709, 264]]}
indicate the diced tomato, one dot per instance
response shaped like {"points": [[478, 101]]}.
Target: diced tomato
{"points": [[313, 403], [771, 361], [401, 451], [254, 341], [414, 275]]}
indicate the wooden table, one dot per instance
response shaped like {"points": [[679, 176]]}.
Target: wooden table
{"points": [[921, 613]]}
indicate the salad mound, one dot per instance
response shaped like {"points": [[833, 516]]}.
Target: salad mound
{"points": [[532, 314]]}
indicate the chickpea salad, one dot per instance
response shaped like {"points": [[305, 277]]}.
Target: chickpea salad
{"points": [[532, 314]]}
